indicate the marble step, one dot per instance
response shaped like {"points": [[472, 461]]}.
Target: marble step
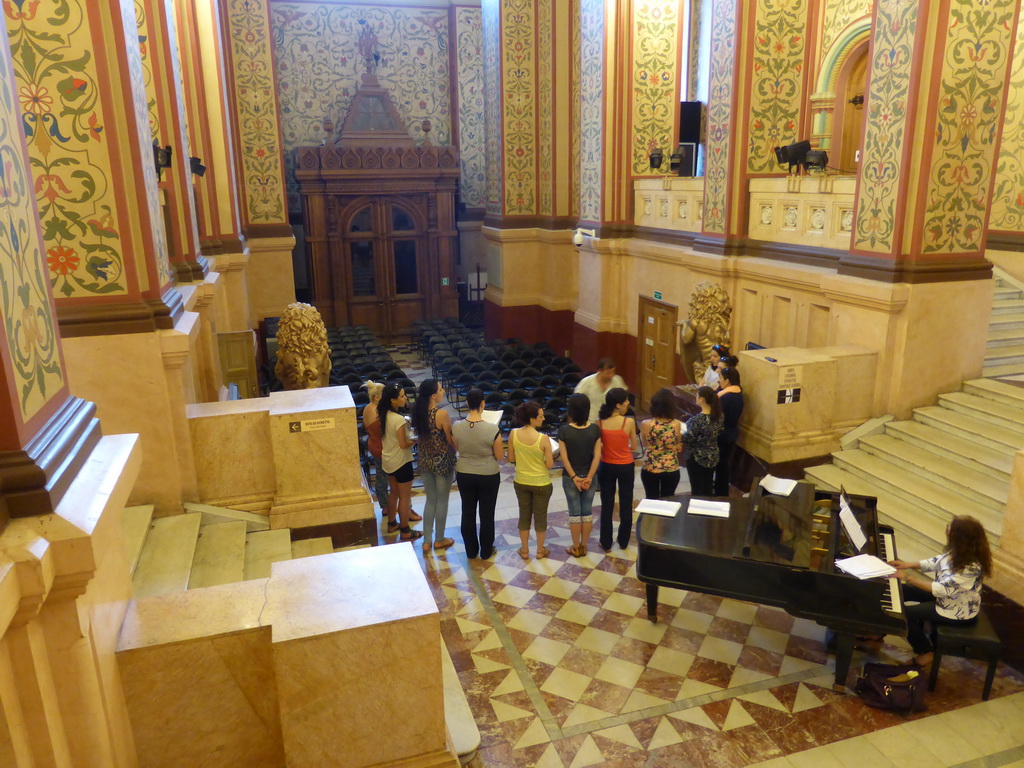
{"points": [[166, 558], [917, 490], [920, 533], [1000, 391], [263, 548], [1007, 306], [1004, 292], [983, 432], [982, 486], [458, 717], [1006, 321], [1010, 354], [135, 522], [1004, 337], [948, 445], [312, 547], [213, 515], [1001, 371], [983, 408], [220, 555]]}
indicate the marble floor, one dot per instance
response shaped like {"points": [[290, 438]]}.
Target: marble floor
{"points": [[562, 668]]}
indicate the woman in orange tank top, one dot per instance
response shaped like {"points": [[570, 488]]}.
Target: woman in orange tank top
{"points": [[618, 441]]}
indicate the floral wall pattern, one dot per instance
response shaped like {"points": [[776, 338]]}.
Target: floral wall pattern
{"points": [[978, 45], [779, 43], [574, 201], [720, 96], [491, 44], [591, 107], [56, 78], [147, 69], [256, 110], [319, 69], [1008, 195], [519, 117], [28, 323], [655, 82], [837, 17], [470, 79], [885, 127], [545, 122]]}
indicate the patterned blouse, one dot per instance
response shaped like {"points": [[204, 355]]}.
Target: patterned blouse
{"points": [[662, 447], [436, 454], [957, 593], [701, 438]]}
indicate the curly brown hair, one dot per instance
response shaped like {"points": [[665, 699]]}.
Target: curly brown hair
{"points": [[967, 544]]}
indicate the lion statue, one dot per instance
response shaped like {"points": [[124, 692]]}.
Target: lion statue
{"points": [[303, 357], [706, 324]]}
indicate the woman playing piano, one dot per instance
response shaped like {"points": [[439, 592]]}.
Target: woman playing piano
{"points": [[954, 596]]}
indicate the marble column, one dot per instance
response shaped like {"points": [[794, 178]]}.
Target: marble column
{"points": [[933, 120], [45, 433], [256, 132], [166, 101], [209, 124]]}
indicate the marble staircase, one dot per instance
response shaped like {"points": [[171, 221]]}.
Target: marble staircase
{"points": [[951, 458], [204, 547], [1004, 351]]}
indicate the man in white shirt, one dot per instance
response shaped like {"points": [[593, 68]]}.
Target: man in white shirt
{"points": [[596, 385]]}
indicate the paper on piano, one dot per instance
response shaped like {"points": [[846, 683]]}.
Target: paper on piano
{"points": [[850, 524], [658, 507], [865, 566], [709, 508], [492, 417], [777, 485]]}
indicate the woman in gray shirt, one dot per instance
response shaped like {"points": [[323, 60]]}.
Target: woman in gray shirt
{"points": [[477, 474]]}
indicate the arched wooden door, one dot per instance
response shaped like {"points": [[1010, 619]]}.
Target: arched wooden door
{"points": [[384, 264]]}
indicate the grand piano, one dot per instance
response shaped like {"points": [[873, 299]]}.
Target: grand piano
{"points": [[781, 551]]}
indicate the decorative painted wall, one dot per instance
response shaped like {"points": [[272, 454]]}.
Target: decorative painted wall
{"points": [[574, 199], [147, 68], [591, 107], [256, 112], [885, 129], [978, 45], [545, 120], [720, 98], [779, 42], [519, 117], [32, 357], [56, 76], [470, 79], [655, 92], [1008, 196], [491, 44], [837, 16]]}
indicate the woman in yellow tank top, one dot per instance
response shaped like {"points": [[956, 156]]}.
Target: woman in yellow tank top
{"points": [[530, 451]]}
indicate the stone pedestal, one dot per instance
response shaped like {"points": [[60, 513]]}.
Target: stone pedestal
{"points": [[799, 402], [271, 280]]}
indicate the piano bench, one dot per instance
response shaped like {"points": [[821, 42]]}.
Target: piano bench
{"points": [[978, 641]]}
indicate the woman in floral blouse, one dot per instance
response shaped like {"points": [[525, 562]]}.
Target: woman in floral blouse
{"points": [[701, 438], [955, 595], [662, 436]]}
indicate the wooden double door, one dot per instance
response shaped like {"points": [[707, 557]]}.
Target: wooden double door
{"points": [[382, 265]]}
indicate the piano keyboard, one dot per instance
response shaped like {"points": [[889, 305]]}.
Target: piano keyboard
{"points": [[887, 551]]}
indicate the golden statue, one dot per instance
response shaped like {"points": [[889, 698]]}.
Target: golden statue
{"points": [[706, 325], [303, 357]]}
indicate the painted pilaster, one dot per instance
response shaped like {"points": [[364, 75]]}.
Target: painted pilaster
{"points": [[256, 127], [165, 98], [78, 70], [45, 433], [1006, 223], [939, 77]]}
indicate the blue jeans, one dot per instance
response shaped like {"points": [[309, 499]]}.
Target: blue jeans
{"points": [[580, 503], [435, 513]]}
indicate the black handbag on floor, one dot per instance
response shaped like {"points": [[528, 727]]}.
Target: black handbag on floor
{"points": [[899, 687]]}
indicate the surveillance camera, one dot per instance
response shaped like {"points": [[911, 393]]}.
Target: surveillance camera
{"points": [[577, 237]]}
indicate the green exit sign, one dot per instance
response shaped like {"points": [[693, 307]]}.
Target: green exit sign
{"points": [[657, 295], [444, 281]]}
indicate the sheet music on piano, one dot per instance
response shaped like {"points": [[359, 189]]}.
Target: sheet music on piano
{"points": [[849, 521]]}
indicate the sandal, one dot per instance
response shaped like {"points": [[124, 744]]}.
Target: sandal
{"points": [[543, 551], [408, 534], [394, 526], [443, 543], [413, 517], [524, 553], [426, 546]]}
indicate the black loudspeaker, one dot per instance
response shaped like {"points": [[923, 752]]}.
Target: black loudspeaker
{"points": [[688, 159], [690, 113]]}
